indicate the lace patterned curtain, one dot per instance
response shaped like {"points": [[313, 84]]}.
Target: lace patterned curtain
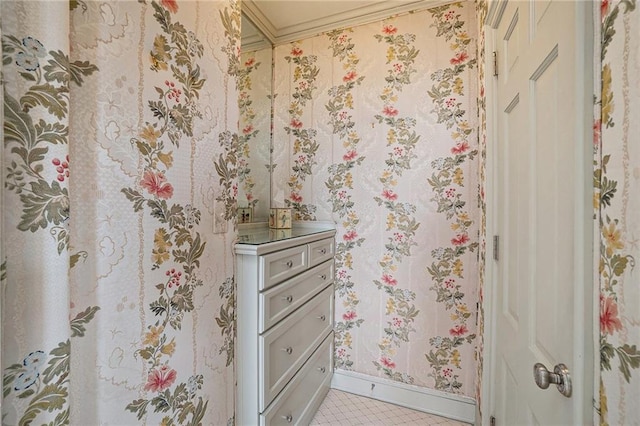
{"points": [[119, 129]]}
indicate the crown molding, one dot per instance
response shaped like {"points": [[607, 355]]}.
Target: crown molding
{"points": [[255, 12]]}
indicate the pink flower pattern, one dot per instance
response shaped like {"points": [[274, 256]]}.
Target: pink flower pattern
{"points": [[170, 5], [160, 378], [389, 111], [389, 195], [350, 235], [460, 240], [295, 197], [459, 330], [350, 76], [349, 316], [387, 362], [459, 58], [389, 30], [609, 321], [389, 280], [460, 148], [156, 184]]}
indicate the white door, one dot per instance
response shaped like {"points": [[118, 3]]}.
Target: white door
{"points": [[542, 154]]}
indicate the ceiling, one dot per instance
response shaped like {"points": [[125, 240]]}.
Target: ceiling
{"points": [[283, 21]]}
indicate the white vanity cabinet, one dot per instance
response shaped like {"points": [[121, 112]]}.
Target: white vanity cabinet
{"points": [[284, 346]]}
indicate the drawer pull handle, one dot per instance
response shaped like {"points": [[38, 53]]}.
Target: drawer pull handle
{"points": [[289, 298], [288, 418], [323, 276], [322, 318], [323, 251], [289, 263], [288, 350], [322, 369]]}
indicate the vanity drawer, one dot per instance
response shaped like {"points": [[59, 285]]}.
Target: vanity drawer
{"points": [[277, 267], [285, 347], [299, 401], [279, 301], [320, 251]]}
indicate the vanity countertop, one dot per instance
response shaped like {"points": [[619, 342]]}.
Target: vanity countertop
{"points": [[256, 237]]}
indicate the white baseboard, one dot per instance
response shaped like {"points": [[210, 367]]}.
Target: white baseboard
{"points": [[430, 401]]}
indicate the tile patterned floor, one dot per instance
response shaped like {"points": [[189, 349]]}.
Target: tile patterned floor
{"points": [[345, 409]]}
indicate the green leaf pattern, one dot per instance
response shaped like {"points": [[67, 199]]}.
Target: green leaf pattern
{"points": [[177, 245], [248, 132], [401, 223], [43, 380], [39, 180], [615, 260], [447, 268], [305, 145], [227, 319], [227, 169], [340, 185]]}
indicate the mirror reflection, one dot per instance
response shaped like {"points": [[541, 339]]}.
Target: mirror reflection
{"points": [[254, 84]]}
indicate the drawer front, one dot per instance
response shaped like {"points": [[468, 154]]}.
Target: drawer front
{"points": [[279, 301], [320, 251], [285, 347], [298, 403], [277, 267]]}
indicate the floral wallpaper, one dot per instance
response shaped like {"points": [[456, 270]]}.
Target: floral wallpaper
{"points": [[123, 162], [447, 181], [341, 188], [616, 202], [481, 14], [401, 224], [376, 130], [305, 145], [254, 85], [121, 174]]}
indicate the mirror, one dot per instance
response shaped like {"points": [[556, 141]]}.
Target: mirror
{"points": [[255, 87]]}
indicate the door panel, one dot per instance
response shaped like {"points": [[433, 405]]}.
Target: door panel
{"points": [[540, 184], [546, 315], [515, 218], [512, 44]]}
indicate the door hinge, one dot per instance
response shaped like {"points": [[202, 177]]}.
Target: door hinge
{"points": [[492, 421], [496, 247], [495, 64]]}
